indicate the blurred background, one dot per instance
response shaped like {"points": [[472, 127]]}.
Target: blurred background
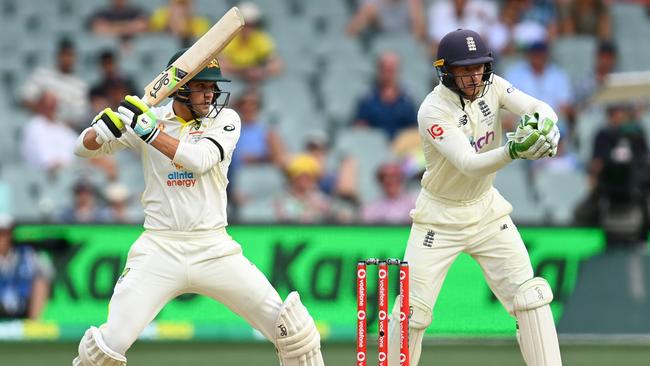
{"points": [[326, 169]]}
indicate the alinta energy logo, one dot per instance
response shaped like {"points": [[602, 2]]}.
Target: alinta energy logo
{"points": [[181, 179]]}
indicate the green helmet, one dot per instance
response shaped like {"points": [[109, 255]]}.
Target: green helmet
{"points": [[212, 72]]}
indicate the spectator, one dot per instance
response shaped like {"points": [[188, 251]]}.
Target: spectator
{"points": [[24, 277], [537, 21], [395, 204], [47, 143], [117, 197], [251, 55], [258, 143], [338, 177], [479, 15], [387, 106], [605, 64], [84, 209], [544, 80], [119, 19], [619, 180], [178, 19], [388, 17], [303, 202], [61, 81], [585, 17], [407, 149], [113, 85], [621, 139]]}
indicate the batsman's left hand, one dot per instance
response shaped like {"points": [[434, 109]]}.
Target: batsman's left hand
{"points": [[107, 126], [135, 113]]}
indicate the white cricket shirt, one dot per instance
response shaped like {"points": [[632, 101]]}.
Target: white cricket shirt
{"points": [[462, 139], [188, 193]]}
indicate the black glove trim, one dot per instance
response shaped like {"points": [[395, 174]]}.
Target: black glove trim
{"points": [[136, 111], [111, 125]]}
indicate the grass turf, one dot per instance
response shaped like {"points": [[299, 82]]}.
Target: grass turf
{"points": [[335, 354]]}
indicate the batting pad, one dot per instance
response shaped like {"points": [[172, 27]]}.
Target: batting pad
{"points": [[536, 334], [296, 336], [419, 320], [93, 351]]}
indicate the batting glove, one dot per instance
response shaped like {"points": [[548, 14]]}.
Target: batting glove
{"points": [[107, 126], [134, 112], [527, 142]]}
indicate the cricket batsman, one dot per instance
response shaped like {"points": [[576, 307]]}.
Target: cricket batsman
{"points": [[458, 209], [186, 148]]}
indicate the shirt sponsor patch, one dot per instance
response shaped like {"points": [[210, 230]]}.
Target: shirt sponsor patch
{"points": [[181, 179], [482, 141], [436, 131]]}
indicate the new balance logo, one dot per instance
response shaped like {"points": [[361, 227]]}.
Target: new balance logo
{"points": [[428, 239], [462, 121], [471, 45]]}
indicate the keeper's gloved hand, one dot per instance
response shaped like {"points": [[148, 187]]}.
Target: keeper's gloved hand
{"points": [[107, 126], [527, 142], [135, 113], [548, 128]]}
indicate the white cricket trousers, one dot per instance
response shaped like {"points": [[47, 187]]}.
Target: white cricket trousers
{"points": [[442, 229], [163, 265]]}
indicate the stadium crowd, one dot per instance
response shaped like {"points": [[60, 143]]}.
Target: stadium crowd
{"points": [[328, 95]]}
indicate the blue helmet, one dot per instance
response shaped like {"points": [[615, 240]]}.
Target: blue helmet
{"points": [[462, 47]]}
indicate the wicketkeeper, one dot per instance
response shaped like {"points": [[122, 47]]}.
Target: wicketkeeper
{"points": [[458, 209]]}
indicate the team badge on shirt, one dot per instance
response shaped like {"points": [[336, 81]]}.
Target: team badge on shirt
{"points": [[195, 136], [484, 108]]}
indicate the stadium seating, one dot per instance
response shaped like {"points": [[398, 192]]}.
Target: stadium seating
{"points": [[326, 72], [256, 186], [559, 193], [368, 147], [514, 185]]}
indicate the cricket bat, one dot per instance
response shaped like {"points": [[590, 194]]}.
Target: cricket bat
{"points": [[195, 58]]}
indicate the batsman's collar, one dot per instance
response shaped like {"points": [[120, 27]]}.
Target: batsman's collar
{"points": [[169, 115], [184, 122]]}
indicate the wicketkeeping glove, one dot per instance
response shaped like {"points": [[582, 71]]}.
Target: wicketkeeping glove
{"points": [[527, 142], [134, 112], [107, 126], [549, 129]]}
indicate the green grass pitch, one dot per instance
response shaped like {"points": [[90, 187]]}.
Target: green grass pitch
{"points": [[335, 354]]}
